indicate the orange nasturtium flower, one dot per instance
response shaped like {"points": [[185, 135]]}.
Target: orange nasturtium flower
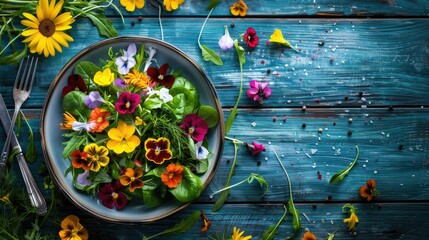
{"points": [[173, 175], [158, 150], [239, 8], [369, 190], [122, 138], [237, 235], [72, 229], [97, 156], [172, 5], [309, 236], [99, 117], [131, 178], [138, 79], [131, 5], [353, 219], [68, 121]]}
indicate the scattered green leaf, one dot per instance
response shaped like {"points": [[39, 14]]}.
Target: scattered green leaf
{"points": [[339, 176], [31, 151], [272, 231], [213, 4], [210, 55]]}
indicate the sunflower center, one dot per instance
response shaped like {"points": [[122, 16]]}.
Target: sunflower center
{"points": [[47, 27]]}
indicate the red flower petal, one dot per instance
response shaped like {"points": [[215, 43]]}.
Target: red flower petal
{"points": [[163, 69]]}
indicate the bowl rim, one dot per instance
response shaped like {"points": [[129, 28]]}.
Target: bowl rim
{"points": [[73, 61]]}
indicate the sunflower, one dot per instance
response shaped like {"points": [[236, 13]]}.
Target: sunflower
{"points": [[45, 32]]}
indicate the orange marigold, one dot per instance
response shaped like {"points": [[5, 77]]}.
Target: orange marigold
{"points": [[369, 190], [99, 117], [239, 8], [173, 175], [138, 79], [309, 236]]}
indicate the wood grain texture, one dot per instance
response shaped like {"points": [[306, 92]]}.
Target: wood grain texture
{"points": [[374, 62], [301, 8]]}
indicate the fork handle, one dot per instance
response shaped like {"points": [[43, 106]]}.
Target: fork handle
{"points": [[36, 197]]}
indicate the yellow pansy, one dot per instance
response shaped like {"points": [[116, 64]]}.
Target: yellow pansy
{"points": [[104, 78], [172, 5], [122, 138], [97, 156], [131, 5]]}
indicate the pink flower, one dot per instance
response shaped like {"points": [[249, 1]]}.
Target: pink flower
{"points": [[111, 195], [258, 91], [250, 37], [127, 103], [194, 126], [255, 148], [160, 75]]}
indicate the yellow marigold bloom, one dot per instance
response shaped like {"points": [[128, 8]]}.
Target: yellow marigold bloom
{"points": [[353, 219], [237, 235], [239, 8], [172, 5], [97, 156], [277, 37], [138, 79], [45, 32], [72, 229], [122, 138], [68, 121], [138, 121], [131, 5], [104, 78]]}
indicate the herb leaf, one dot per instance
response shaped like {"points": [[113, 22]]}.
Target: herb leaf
{"points": [[213, 4], [210, 55], [104, 25], [331, 236], [179, 228], [31, 151], [270, 233], [260, 179], [240, 53], [339, 176]]}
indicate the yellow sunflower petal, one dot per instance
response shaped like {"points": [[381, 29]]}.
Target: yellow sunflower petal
{"points": [[31, 18], [58, 37], [50, 46], [35, 40], [41, 45], [56, 45], [64, 17], [30, 24], [45, 8], [63, 28], [56, 9], [39, 13], [29, 32]]}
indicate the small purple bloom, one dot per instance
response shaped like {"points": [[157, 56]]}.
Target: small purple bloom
{"points": [[194, 126], [226, 42], [119, 82], [111, 195], [82, 178], [127, 61], [93, 100], [255, 148], [258, 91], [127, 103]]}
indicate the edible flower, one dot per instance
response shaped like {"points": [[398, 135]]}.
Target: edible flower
{"points": [[194, 126], [122, 138], [165, 95], [6, 199], [69, 119], [72, 229], [173, 175], [97, 156], [150, 54], [79, 159], [237, 235], [159, 75], [353, 219], [309, 236], [239, 8], [132, 179], [127, 103], [368, 191], [79, 126], [277, 37], [45, 32], [74, 82], [119, 82], [127, 61], [206, 222], [99, 117], [255, 147], [201, 151], [138, 79], [138, 121], [104, 78], [111, 195], [158, 150], [83, 179], [93, 100], [131, 5], [250, 38], [226, 42], [172, 5], [258, 91]]}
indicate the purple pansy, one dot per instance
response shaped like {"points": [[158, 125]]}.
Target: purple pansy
{"points": [[226, 42], [258, 91], [111, 195], [255, 148], [127, 103], [194, 126], [127, 61], [94, 100]]}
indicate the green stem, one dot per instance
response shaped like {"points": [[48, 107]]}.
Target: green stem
{"points": [[284, 170], [202, 28], [234, 140], [160, 23], [8, 234], [229, 187], [279, 222]]}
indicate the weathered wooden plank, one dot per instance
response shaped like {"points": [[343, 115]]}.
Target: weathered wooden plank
{"points": [[394, 150], [300, 8], [376, 221], [374, 62]]}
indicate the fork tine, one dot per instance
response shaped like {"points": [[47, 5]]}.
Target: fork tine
{"points": [[33, 75], [28, 75], [18, 75], [21, 83]]}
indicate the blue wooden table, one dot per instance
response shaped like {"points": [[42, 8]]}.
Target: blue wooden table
{"points": [[366, 85]]}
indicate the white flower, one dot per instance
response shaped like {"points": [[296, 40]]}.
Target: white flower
{"points": [[149, 59], [78, 126], [226, 42], [150, 92], [126, 62], [165, 95], [201, 152]]}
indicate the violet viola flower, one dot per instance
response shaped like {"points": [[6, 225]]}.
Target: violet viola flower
{"points": [[127, 103], [82, 178], [226, 42], [94, 100], [127, 61], [255, 148], [201, 151], [119, 82], [194, 126], [111, 195], [258, 91]]}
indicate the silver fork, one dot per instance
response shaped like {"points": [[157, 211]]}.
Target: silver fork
{"points": [[21, 90]]}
